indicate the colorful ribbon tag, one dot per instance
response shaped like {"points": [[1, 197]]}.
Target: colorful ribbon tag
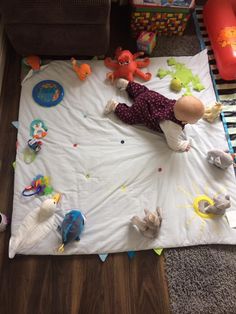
{"points": [[158, 251], [131, 254], [103, 257]]}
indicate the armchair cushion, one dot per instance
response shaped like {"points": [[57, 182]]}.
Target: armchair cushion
{"points": [[57, 27]]}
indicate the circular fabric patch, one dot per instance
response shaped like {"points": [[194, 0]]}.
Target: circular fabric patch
{"points": [[48, 93]]}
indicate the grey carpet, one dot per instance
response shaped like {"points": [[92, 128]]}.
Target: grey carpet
{"points": [[187, 45], [202, 279]]}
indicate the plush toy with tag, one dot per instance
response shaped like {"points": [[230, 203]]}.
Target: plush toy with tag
{"points": [[71, 228], [213, 112], [149, 226], [126, 66], [221, 203], [220, 159]]}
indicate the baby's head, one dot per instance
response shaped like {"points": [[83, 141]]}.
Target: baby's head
{"points": [[188, 109]]}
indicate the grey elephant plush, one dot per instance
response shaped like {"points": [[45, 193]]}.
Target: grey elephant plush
{"points": [[221, 203], [220, 159], [149, 226]]}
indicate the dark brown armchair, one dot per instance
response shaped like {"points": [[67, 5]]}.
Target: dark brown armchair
{"points": [[57, 27]]}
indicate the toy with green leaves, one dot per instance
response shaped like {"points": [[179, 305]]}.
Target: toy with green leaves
{"points": [[182, 77]]}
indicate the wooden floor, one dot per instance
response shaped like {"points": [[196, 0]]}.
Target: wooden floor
{"points": [[74, 284]]}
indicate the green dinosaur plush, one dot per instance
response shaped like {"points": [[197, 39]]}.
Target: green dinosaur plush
{"points": [[181, 77]]}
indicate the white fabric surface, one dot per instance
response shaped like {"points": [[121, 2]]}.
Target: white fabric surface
{"points": [[109, 181]]}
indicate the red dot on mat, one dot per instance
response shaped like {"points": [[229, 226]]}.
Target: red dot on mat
{"points": [[159, 169], [75, 145]]}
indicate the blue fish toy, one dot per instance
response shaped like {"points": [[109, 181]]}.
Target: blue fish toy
{"points": [[71, 228]]}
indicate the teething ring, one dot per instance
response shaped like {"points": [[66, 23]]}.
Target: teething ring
{"points": [[203, 198], [30, 191]]}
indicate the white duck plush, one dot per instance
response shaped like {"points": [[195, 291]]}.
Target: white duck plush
{"points": [[48, 208], [35, 226]]}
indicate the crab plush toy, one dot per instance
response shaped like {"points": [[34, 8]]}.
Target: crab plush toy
{"points": [[125, 66]]}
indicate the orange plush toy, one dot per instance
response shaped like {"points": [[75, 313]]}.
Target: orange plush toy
{"points": [[82, 71], [125, 66]]}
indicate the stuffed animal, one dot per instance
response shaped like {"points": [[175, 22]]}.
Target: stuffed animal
{"points": [[149, 226], [82, 70], [125, 66], [221, 203], [34, 62], [182, 77], [220, 159], [48, 207], [71, 228], [213, 112], [35, 226]]}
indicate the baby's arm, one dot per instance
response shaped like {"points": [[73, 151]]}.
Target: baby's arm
{"points": [[173, 134]]}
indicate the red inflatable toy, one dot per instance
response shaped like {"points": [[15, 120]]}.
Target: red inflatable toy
{"points": [[220, 20]]}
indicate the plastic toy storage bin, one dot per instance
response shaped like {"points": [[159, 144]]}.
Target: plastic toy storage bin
{"points": [[164, 20]]}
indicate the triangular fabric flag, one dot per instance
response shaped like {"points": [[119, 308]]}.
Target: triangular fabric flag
{"points": [[103, 257], [131, 254], [158, 251], [15, 124]]}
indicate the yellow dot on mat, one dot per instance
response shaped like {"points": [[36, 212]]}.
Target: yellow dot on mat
{"points": [[123, 188], [87, 175]]}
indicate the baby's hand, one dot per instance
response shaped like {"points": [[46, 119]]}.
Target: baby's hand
{"points": [[185, 146], [188, 148]]}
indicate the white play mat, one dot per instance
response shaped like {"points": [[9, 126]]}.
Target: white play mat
{"points": [[112, 171]]}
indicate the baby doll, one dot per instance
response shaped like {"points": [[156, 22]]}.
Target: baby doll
{"points": [[158, 112]]}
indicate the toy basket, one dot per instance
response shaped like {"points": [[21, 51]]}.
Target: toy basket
{"points": [[164, 20]]}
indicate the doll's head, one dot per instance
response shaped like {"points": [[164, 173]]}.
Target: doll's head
{"points": [[188, 109]]}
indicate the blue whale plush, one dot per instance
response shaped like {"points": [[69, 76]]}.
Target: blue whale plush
{"points": [[71, 228]]}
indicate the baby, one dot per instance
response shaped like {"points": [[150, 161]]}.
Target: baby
{"points": [[158, 112]]}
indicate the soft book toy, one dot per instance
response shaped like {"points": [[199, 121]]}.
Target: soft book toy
{"points": [[149, 226], [126, 66]]}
